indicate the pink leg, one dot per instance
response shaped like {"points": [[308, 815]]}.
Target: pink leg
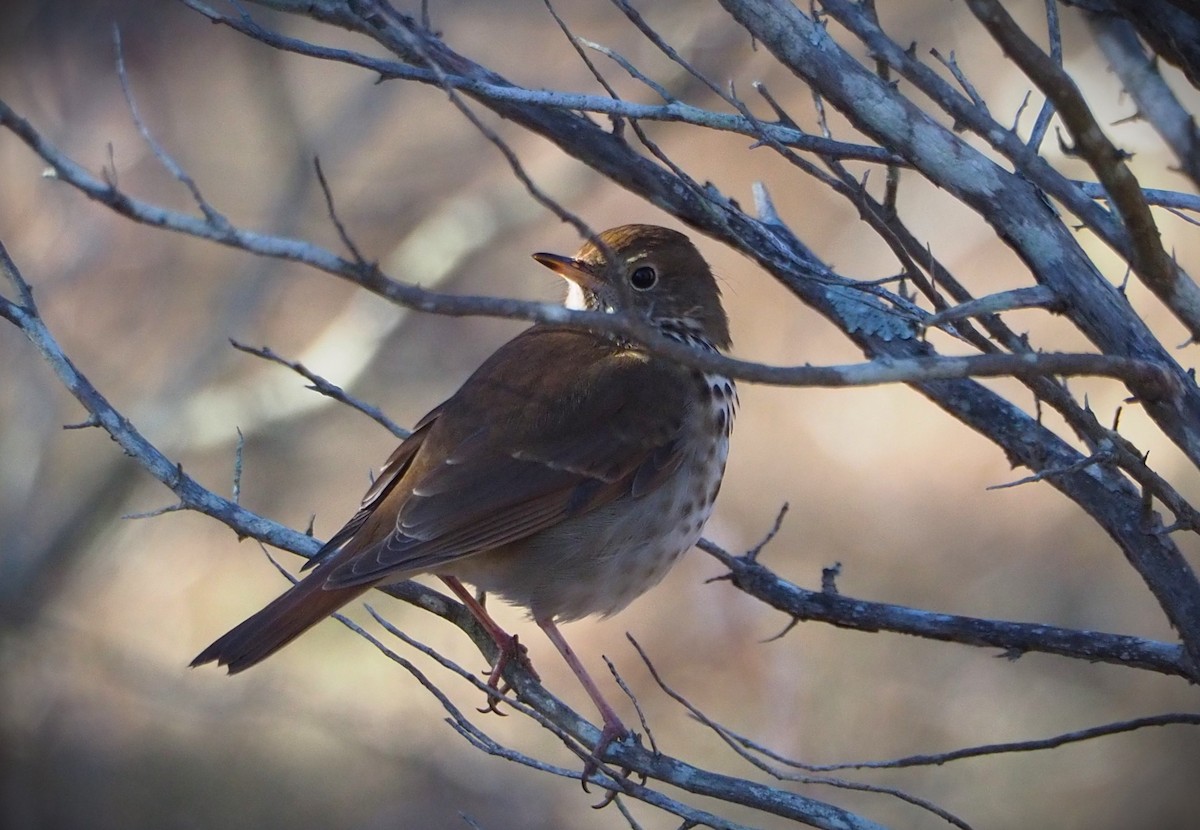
{"points": [[510, 649], [613, 728]]}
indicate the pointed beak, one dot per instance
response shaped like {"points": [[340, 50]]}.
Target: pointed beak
{"points": [[570, 269]]}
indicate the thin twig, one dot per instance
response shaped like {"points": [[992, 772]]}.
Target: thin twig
{"points": [[1033, 745], [333, 217], [951, 63], [1035, 296], [1102, 456], [731, 740], [238, 457], [325, 387], [1046, 113], [164, 158]]}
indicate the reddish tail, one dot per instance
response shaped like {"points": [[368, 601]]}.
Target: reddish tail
{"points": [[283, 620]]}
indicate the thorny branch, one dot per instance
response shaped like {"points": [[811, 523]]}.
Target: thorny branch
{"points": [[1012, 638]]}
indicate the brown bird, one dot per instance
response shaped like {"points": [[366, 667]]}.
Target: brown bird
{"points": [[567, 474]]}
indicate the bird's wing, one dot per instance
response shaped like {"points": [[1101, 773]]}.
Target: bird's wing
{"points": [[392, 472], [554, 424]]}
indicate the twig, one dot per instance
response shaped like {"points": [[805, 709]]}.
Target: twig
{"points": [[1154, 99], [156, 512], [1152, 195], [637, 706], [325, 387], [951, 63], [1036, 296], [236, 493], [752, 554], [1102, 456], [652, 35], [1033, 745], [578, 44], [164, 158], [626, 64], [333, 217], [23, 289], [732, 741], [1046, 113]]}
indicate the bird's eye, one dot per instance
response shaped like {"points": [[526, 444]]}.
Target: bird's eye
{"points": [[643, 278]]}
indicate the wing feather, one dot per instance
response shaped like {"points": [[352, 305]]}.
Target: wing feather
{"points": [[519, 449]]}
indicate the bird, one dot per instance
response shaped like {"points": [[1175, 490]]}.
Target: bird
{"points": [[566, 476]]}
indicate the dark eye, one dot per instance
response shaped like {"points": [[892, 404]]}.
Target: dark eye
{"points": [[643, 278]]}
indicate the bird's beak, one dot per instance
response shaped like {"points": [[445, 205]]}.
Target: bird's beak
{"points": [[570, 269]]}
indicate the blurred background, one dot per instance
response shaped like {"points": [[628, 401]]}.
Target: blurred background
{"points": [[102, 725]]}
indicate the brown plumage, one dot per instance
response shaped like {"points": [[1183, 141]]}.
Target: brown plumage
{"points": [[566, 475]]}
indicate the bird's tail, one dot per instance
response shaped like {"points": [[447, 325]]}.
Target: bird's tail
{"points": [[284, 619]]}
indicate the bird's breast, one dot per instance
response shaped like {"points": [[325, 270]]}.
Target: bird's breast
{"points": [[599, 562]]}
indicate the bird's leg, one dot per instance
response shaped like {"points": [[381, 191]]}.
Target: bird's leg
{"points": [[613, 728], [507, 643]]}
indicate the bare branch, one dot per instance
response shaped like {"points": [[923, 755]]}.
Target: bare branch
{"points": [[1042, 123], [1147, 380], [213, 217], [1037, 296], [1036, 744], [324, 387], [738, 744], [1154, 98], [170, 473], [1153, 196], [1014, 638], [676, 111], [1148, 258]]}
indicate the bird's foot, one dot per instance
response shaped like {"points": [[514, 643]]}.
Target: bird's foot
{"points": [[510, 649], [613, 731]]}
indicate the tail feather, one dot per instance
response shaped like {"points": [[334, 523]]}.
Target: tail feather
{"points": [[284, 619]]}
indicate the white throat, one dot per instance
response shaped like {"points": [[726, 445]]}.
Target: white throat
{"points": [[577, 300], [575, 297]]}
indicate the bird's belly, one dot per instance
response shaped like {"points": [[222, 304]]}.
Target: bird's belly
{"points": [[601, 561]]}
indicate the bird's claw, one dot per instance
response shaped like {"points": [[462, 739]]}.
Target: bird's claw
{"points": [[509, 650], [614, 732]]}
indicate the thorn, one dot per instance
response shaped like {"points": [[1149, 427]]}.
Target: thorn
{"points": [[829, 578]]}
